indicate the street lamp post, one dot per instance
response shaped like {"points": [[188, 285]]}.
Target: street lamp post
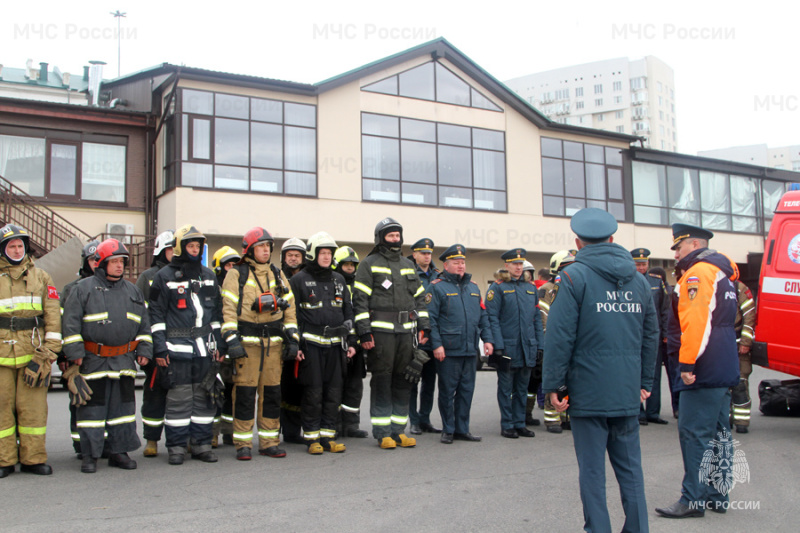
{"points": [[118, 15]]}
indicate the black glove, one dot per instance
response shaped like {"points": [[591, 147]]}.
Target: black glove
{"points": [[162, 355], [366, 337], [413, 372], [290, 349], [212, 384], [235, 348]]}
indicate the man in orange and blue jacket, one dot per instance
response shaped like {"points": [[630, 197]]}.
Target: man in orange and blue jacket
{"points": [[702, 333]]}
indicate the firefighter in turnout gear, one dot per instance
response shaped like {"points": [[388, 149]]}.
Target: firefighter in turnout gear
{"points": [[106, 331], [325, 319], [391, 317], [745, 322], [186, 311], [30, 334], [154, 394], [293, 253], [88, 263], [259, 321], [554, 421], [346, 262], [224, 259]]}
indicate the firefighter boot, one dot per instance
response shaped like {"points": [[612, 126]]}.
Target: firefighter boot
{"points": [[530, 404], [403, 441], [244, 454], [332, 446], [387, 443], [315, 448], [151, 449]]}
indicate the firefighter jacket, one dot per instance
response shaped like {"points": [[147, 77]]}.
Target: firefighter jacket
{"points": [[109, 313], [602, 338], [146, 280], [27, 292], [545, 299], [263, 275], [745, 315], [457, 314], [512, 305], [387, 293], [322, 299], [701, 328], [186, 311]]}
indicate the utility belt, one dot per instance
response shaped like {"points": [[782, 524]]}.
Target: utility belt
{"points": [[270, 329], [15, 323], [326, 331], [397, 318], [192, 333], [109, 351]]}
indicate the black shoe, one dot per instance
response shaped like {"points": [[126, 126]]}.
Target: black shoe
{"points": [[273, 451], [122, 461], [227, 439], [657, 420], [42, 469], [554, 429], [525, 432], [356, 433], [643, 422], [742, 429], [679, 510], [5, 471], [175, 459], [295, 439], [206, 457], [88, 464], [469, 437], [415, 429], [244, 454], [446, 438], [429, 428], [509, 434]]}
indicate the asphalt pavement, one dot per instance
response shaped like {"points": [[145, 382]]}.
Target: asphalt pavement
{"points": [[496, 485]]}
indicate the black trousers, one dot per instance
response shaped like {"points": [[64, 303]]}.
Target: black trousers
{"points": [[321, 377]]}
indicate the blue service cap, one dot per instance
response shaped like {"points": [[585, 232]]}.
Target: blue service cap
{"points": [[517, 255], [640, 254], [686, 231], [423, 245], [456, 251], [593, 225]]}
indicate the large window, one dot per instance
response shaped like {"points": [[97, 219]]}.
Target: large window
{"points": [[432, 81], [577, 175], [64, 169], [430, 163], [664, 195], [244, 143]]}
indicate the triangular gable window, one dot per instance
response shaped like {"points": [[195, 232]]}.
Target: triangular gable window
{"points": [[432, 81]]}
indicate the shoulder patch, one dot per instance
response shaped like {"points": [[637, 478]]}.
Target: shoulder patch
{"points": [[490, 296], [437, 280], [554, 292], [428, 298], [52, 293]]}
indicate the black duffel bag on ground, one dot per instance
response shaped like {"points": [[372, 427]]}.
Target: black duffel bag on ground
{"points": [[779, 398]]}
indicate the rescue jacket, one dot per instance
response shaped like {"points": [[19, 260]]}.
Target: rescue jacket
{"points": [[457, 314], [386, 289], [110, 313], [701, 332], [545, 299], [322, 299], [146, 280], [745, 315], [186, 312], [512, 306], [602, 338], [258, 273], [27, 292]]}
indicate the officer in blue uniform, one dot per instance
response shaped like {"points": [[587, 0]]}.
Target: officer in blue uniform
{"points": [[652, 412], [421, 253], [458, 317], [600, 350], [512, 305]]}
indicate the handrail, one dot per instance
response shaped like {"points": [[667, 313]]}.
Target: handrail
{"points": [[47, 229]]}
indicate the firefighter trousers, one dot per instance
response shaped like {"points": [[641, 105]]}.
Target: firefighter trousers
{"points": [[321, 377], [740, 394], [111, 411], [291, 399], [189, 411], [223, 423], [154, 400], [353, 391], [23, 417], [389, 390], [257, 394]]}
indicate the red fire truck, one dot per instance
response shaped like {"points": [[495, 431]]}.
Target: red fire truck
{"points": [[777, 343]]}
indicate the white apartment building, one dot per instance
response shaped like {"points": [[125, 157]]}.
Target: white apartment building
{"points": [[782, 157], [619, 95]]}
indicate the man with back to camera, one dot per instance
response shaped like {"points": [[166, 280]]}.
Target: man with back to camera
{"points": [[600, 348]]}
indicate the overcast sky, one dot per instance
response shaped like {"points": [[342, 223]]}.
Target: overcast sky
{"points": [[736, 75]]}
